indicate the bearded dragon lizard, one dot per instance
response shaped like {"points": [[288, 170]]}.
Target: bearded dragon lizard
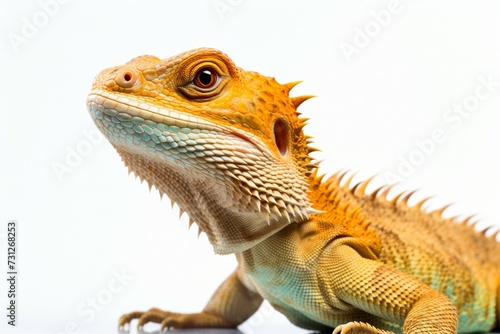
{"points": [[227, 145]]}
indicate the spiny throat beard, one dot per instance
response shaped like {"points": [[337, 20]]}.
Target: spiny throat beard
{"points": [[234, 217]]}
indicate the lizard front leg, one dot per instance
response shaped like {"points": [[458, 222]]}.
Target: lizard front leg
{"points": [[384, 292], [231, 305]]}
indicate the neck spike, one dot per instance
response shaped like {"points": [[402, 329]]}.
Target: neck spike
{"points": [[298, 100], [289, 86]]}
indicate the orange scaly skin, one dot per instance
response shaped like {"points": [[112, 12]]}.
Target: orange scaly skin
{"points": [[227, 146]]}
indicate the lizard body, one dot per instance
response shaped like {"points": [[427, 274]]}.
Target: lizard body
{"points": [[227, 145]]}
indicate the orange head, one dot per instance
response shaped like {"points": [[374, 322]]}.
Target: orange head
{"points": [[225, 144]]}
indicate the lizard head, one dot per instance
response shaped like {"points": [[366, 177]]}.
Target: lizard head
{"points": [[223, 143]]}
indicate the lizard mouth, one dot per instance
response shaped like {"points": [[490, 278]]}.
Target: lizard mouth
{"points": [[101, 103], [128, 121]]}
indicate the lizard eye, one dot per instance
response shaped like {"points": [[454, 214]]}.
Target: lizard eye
{"points": [[206, 78], [202, 81]]}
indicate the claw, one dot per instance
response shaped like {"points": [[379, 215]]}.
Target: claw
{"points": [[168, 323], [124, 329], [140, 330], [165, 325]]}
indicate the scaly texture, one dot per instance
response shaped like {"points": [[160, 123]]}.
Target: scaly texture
{"points": [[227, 145]]}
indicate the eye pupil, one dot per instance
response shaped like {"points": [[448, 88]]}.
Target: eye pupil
{"points": [[205, 78]]}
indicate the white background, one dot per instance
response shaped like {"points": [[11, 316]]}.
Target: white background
{"points": [[77, 229]]}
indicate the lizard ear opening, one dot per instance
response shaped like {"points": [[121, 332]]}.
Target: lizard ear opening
{"points": [[281, 136]]}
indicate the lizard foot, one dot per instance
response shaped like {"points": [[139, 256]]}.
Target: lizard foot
{"points": [[170, 320], [359, 328]]}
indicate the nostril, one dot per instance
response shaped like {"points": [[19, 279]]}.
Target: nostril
{"points": [[127, 78]]}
